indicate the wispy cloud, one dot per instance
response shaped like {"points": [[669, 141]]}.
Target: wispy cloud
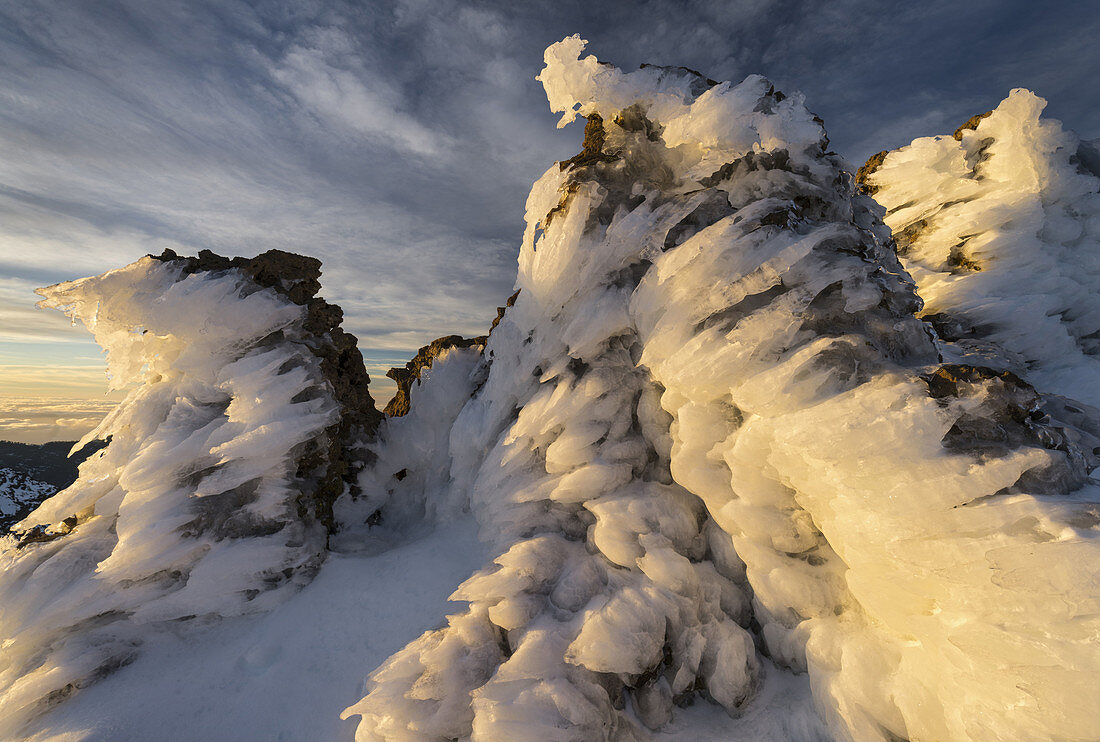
{"points": [[396, 140], [356, 101], [37, 420]]}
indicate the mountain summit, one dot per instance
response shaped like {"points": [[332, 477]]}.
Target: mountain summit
{"points": [[746, 460]]}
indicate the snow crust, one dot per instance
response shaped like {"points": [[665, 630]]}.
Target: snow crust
{"points": [[193, 510], [1001, 231], [284, 674]]}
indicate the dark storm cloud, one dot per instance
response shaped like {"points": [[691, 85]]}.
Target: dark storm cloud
{"points": [[397, 140]]}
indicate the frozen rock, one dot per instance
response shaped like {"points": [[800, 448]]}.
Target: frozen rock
{"points": [[404, 377], [245, 407], [712, 425]]}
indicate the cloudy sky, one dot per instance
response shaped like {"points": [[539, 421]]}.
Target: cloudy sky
{"points": [[396, 140]]}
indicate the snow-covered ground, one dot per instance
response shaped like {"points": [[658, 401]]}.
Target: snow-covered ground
{"points": [[287, 674]]}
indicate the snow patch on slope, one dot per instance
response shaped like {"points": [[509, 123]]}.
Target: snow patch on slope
{"points": [[286, 674]]}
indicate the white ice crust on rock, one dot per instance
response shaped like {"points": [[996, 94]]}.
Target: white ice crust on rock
{"points": [[712, 427], [706, 125], [194, 510], [1001, 231]]}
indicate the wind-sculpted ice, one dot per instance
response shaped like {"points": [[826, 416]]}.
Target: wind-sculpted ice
{"points": [[411, 481], [1000, 227], [712, 428], [213, 495]]}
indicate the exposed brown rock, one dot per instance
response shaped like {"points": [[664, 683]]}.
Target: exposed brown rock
{"points": [[501, 310], [958, 259], [874, 162], [971, 123], [330, 461], [907, 235], [42, 534], [399, 405], [592, 147], [945, 381]]}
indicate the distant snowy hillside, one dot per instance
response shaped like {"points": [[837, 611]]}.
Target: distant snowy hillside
{"points": [[19, 494], [29, 473], [735, 474]]}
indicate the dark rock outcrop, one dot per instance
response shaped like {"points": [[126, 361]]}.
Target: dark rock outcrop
{"points": [[874, 162], [1012, 414], [592, 148], [510, 302]]}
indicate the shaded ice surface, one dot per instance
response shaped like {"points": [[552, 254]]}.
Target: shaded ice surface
{"points": [[712, 477]]}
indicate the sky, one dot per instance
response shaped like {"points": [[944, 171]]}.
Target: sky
{"points": [[396, 140]]}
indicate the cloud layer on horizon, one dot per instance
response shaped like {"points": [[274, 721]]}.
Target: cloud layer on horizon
{"points": [[396, 140]]}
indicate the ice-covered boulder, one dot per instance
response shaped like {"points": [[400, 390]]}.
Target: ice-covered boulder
{"points": [[712, 428], [245, 410], [1000, 227]]}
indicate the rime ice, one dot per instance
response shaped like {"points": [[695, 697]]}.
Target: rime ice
{"points": [[723, 450], [207, 502], [712, 412]]}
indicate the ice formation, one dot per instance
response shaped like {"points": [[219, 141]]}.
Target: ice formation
{"points": [[1000, 225], [720, 432], [712, 427], [214, 494]]}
